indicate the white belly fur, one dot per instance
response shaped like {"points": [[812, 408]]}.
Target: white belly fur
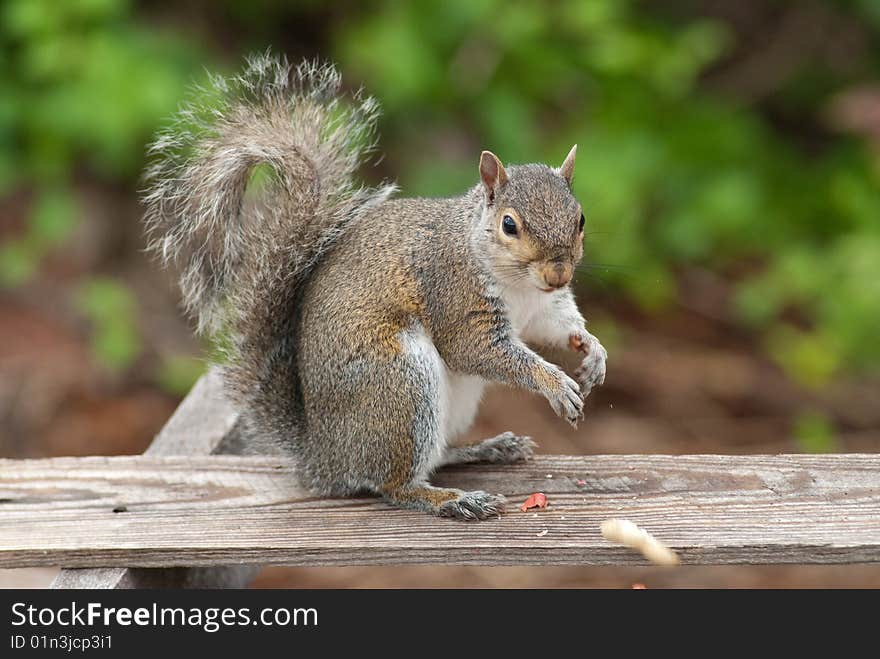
{"points": [[464, 392], [460, 394]]}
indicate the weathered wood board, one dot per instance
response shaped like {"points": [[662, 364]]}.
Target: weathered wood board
{"points": [[226, 510], [203, 424]]}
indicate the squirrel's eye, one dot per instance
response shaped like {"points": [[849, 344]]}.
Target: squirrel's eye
{"points": [[508, 226], [581, 225]]}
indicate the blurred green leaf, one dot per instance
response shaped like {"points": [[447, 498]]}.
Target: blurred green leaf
{"points": [[808, 357], [110, 307], [178, 373], [49, 223], [17, 263], [814, 433], [53, 217]]}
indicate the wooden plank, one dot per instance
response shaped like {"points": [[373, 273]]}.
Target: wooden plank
{"points": [[202, 511], [110, 578], [203, 424]]}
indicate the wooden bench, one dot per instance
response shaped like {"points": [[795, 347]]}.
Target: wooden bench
{"points": [[184, 515]]}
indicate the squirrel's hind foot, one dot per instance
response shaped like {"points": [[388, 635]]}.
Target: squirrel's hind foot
{"points": [[448, 502], [471, 506]]}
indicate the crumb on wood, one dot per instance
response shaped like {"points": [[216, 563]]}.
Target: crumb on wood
{"points": [[536, 500]]}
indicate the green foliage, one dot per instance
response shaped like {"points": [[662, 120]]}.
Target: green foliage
{"points": [[111, 309], [178, 373], [51, 220], [83, 81], [814, 433], [811, 358], [82, 87]]}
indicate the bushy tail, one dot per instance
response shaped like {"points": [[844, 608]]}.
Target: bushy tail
{"points": [[242, 260]]}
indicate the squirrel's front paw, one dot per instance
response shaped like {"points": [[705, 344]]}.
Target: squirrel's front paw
{"points": [[591, 372], [565, 398]]}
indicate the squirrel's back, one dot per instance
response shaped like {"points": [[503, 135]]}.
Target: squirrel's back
{"points": [[372, 283]]}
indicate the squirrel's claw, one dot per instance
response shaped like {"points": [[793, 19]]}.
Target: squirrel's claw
{"points": [[591, 372], [567, 401]]}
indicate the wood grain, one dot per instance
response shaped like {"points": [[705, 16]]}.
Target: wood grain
{"points": [[203, 424], [203, 511]]}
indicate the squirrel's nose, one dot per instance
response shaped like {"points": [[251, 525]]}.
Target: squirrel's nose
{"points": [[557, 274]]}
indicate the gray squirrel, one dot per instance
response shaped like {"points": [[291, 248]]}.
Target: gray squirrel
{"points": [[358, 330]]}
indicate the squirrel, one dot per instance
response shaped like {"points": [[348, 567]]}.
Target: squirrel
{"points": [[357, 330]]}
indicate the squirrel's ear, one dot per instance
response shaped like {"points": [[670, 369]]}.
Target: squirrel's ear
{"points": [[492, 173], [567, 169]]}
